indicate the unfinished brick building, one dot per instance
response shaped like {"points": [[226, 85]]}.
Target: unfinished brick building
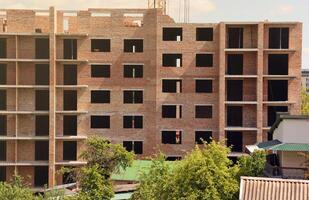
{"points": [[139, 79]]}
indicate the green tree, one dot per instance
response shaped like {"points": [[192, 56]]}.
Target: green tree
{"points": [[304, 102], [252, 165]]}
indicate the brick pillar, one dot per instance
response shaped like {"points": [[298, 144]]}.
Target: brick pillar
{"points": [[52, 95], [259, 86], [221, 91]]}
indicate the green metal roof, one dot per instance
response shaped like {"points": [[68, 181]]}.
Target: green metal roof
{"points": [[122, 196], [290, 147], [268, 144]]}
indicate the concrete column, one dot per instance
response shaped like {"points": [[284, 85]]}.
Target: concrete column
{"points": [[259, 86], [221, 90], [52, 95]]}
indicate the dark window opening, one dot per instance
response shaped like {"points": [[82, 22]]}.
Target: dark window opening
{"points": [[68, 177], [100, 121], [172, 34], [171, 86], [69, 100], [203, 111], [277, 90], [278, 64], [3, 47], [269, 136], [69, 150], [3, 125], [204, 34], [171, 137], [234, 116], [41, 125], [133, 71], [133, 46], [41, 150], [135, 146], [203, 86], [42, 100], [172, 111], [40, 176], [234, 140], [3, 74], [235, 64], [2, 173], [278, 38], [2, 150], [234, 90], [70, 125], [42, 48], [272, 113], [133, 97], [2, 99], [70, 49], [203, 136], [133, 122], [70, 74], [172, 158], [100, 96], [42, 74], [100, 71], [204, 60], [172, 60], [235, 37], [100, 45]]}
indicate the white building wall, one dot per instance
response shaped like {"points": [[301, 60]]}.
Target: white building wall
{"points": [[292, 131]]}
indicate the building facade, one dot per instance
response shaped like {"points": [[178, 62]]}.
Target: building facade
{"points": [[139, 79]]}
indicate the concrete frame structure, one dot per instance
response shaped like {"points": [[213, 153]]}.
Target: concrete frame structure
{"points": [[21, 27]]}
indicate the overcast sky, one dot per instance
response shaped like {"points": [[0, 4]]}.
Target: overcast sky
{"points": [[201, 10]]}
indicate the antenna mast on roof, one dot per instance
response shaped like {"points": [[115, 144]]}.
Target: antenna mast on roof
{"points": [[158, 4]]}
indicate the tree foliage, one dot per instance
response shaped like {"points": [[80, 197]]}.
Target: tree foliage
{"points": [[252, 165], [304, 102]]}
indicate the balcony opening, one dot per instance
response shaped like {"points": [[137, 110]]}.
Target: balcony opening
{"points": [[70, 74], [41, 125], [172, 34], [204, 60], [204, 34], [272, 113], [100, 45], [171, 86], [69, 151], [173, 158], [235, 64], [2, 99], [70, 125], [203, 136], [3, 74], [100, 122], [41, 150], [235, 37], [133, 97], [203, 86], [277, 90], [3, 125], [203, 112], [2, 173], [41, 48], [135, 146], [70, 49], [171, 137], [133, 71], [40, 176], [100, 96], [278, 64], [42, 74], [3, 150], [100, 71], [42, 100], [278, 38], [234, 140], [234, 90], [133, 46], [172, 60], [133, 122], [69, 100], [172, 111], [234, 116], [3, 48]]}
